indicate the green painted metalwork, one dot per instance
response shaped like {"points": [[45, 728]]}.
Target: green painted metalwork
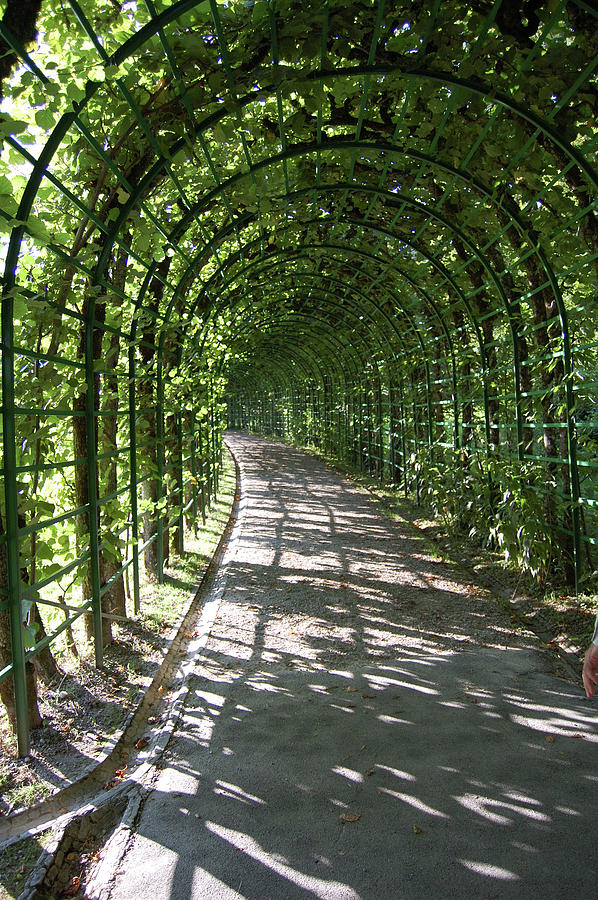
{"points": [[388, 256]]}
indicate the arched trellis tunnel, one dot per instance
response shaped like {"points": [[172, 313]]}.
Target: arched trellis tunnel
{"points": [[369, 226]]}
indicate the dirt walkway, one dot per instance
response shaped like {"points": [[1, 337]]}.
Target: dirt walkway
{"points": [[363, 723]]}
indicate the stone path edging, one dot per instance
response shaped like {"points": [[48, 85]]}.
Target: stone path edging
{"points": [[104, 810]]}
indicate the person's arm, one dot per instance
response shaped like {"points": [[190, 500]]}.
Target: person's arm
{"points": [[590, 664]]}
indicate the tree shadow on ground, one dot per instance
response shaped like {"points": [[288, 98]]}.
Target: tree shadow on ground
{"points": [[365, 723]]}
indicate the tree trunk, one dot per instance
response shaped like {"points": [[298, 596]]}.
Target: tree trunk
{"points": [[7, 693], [80, 450], [113, 600], [145, 391], [44, 662]]}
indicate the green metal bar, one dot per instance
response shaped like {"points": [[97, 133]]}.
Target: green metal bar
{"points": [[160, 466], [92, 482], [181, 526], [11, 526], [133, 477], [193, 462]]}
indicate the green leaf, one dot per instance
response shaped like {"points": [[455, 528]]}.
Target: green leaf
{"points": [[12, 126], [29, 632], [260, 12], [45, 119]]}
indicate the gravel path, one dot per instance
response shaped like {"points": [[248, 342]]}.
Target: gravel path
{"points": [[363, 722]]}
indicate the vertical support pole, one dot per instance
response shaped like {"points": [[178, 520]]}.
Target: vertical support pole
{"points": [[181, 528], [513, 319], [403, 437], [133, 476], [347, 417], [202, 475], [371, 466], [415, 443], [573, 468], [429, 410], [455, 404], [518, 412], [160, 476], [13, 575], [92, 481], [380, 424], [213, 448], [193, 461], [340, 452], [392, 450], [208, 457]]}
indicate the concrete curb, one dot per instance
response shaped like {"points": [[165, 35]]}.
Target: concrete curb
{"points": [[98, 885], [105, 809]]}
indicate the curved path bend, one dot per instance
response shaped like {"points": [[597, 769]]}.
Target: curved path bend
{"points": [[363, 723]]}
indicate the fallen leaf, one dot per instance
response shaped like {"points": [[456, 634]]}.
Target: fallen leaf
{"points": [[349, 817], [72, 887], [368, 696], [550, 739], [141, 743], [370, 772], [416, 830], [351, 690], [120, 773]]}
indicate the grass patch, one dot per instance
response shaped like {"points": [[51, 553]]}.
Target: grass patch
{"points": [[18, 860], [163, 604]]}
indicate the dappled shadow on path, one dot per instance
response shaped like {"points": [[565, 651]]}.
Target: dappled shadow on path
{"points": [[363, 723]]}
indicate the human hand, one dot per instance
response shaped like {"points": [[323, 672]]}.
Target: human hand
{"points": [[590, 670]]}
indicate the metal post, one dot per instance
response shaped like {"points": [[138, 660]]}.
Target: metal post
{"points": [[181, 536], [13, 574], [160, 475], [193, 461], [92, 482], [202, 476], [133, 477]]}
